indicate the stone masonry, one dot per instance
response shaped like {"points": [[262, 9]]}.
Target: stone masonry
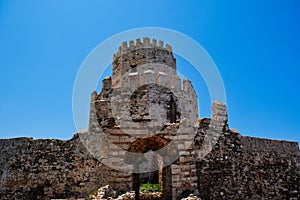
{"points": [[135, 111], [144, 127], [46, 169]]}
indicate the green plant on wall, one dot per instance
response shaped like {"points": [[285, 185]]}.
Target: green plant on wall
{"points": [[93, 192], [150, 188]]}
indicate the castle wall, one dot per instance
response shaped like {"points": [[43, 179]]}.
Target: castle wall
{"points": [[250, 168], [146, 107], [252, 144], [45, 169], [237, 168]]}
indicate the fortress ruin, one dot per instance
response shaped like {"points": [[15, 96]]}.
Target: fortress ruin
{"points": [[144, 127]]}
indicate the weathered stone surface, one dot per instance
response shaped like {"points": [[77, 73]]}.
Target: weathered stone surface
{"points": [[107, 193], [44, 169], [144, 108], [250, 168], [191, 197]]}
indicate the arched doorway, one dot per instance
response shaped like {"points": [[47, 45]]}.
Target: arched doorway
{"points": [[163, 177]]}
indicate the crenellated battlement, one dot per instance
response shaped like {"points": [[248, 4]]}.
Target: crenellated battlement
{"points": [[138, 44], [132, 55]]}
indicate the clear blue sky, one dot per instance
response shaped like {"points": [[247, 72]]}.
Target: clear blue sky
{"points": [[255, 45]]}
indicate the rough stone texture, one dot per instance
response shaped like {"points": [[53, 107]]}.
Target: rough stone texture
{"points": [[142, 108], [191, 197], [44, 169], [107, 193], [250, 168]]}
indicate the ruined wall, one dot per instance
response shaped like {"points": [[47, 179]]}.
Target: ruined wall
{"points": [[238, 168], [249, 168], [44, 169], [209, 157]]}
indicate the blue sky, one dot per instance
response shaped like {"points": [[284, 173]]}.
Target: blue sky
{"points": [[255, 45]]}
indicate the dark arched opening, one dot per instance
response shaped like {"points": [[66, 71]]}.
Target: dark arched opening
{"points": [[144, 145], [146, 96]]}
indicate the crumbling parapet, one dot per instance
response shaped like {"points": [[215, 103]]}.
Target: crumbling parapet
{"points": [[216, 129]]}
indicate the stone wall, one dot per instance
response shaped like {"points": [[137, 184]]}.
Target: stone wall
{"points": [[250, 168], [235, 169], [44, 169], [145, 107]]}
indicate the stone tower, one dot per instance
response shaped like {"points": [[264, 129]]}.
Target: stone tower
{"points": [[138, 54], [144, 108], [143, 126]]}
